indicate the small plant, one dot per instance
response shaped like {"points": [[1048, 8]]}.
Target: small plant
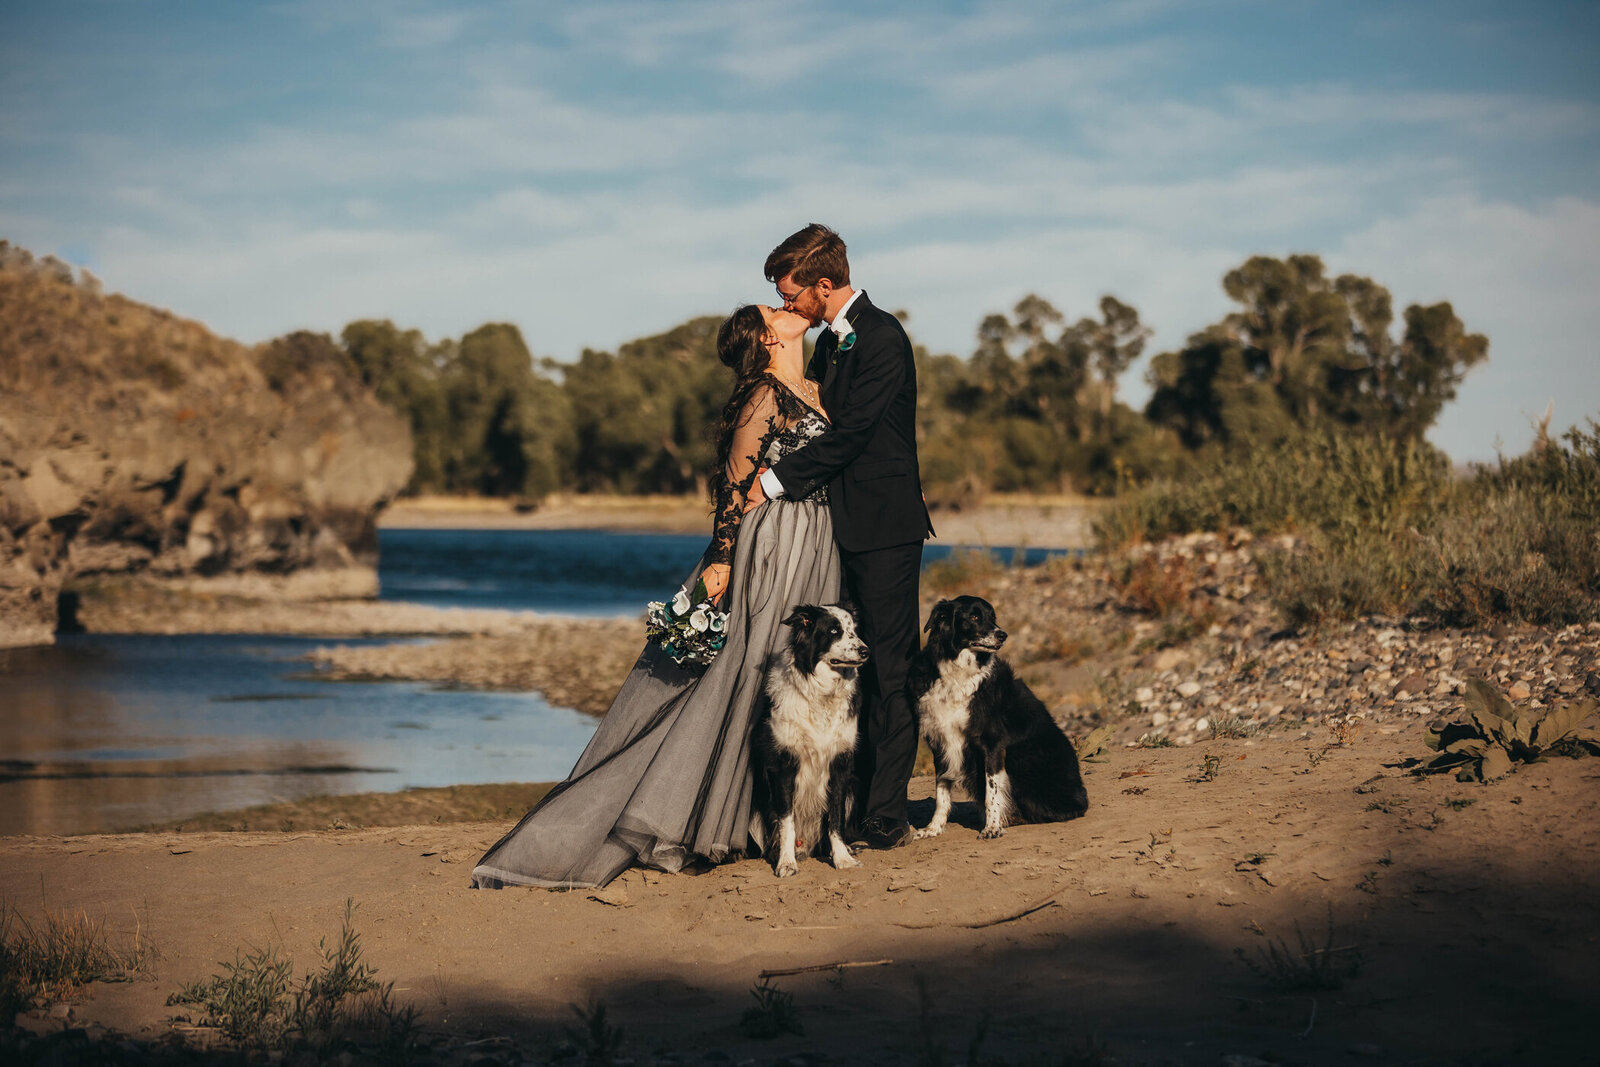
{"points": [[1314, 967], [1208, 770], [1233, 726], [1499, 735], [597, 1040], [1389, 805], [1343, 731], [773, 1015], [1154, 587], [1388, 858], [1095, 742], [1369, 883], [1460, 803], [254, 1001], [1154, 741], [1256, 859], [1314, 758]]}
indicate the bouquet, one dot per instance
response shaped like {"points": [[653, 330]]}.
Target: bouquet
{"points": [[688, 627]]}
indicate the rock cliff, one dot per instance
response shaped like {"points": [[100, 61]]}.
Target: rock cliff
{"points": [[134, 442]]}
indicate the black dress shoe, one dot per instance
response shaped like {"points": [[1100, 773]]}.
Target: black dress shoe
{"points": [[881, 833]]}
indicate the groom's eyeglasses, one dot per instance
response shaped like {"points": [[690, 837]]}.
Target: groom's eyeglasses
{"points": [[788, 300]]}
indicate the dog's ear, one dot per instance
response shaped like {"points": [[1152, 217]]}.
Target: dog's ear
{"points": [[940, 615], [800, 616]]}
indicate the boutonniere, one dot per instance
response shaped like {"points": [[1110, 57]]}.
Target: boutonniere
{"points": [[845, 335]]}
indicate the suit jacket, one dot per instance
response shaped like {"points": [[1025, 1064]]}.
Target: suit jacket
{"points": [[868, 460]]}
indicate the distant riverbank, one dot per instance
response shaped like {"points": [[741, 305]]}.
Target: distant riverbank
{"points": [[1014, 519]]}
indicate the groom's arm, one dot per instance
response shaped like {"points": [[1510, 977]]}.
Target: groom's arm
{"points": [[881, 368]]}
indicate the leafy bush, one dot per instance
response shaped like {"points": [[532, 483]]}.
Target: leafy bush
{"points": [[1500, 734]]}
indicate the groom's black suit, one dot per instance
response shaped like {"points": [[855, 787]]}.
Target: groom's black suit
{"points": [[868, 461]]}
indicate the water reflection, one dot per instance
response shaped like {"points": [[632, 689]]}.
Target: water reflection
{"points": [[105, 732]]}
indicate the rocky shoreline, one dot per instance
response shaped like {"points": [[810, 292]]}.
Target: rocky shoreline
{"points": [[1220, 664]]}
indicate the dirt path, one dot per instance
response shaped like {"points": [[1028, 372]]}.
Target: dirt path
{"points": [[1472, 908]]}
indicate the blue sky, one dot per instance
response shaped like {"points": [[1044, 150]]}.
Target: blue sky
{"points": [[599, 171]]}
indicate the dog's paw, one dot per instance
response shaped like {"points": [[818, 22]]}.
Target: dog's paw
{"points": [[844, 861], [787, 869], [927, 831], [989, 833]]}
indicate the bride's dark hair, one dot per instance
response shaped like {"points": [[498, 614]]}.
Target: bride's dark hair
{"points": [[740, 346]]}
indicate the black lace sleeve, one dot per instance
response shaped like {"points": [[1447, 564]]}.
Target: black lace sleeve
{"points": [[759, 423]]}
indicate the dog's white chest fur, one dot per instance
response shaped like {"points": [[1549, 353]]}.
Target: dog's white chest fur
{"points": [[947, 706]]}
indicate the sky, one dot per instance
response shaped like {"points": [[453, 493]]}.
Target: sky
{"points": [[600, 171]]}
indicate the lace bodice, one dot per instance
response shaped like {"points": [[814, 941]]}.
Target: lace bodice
{"points": [[774, 424]]}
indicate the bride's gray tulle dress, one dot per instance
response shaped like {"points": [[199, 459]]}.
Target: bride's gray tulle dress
{"points": [[666, 777]]}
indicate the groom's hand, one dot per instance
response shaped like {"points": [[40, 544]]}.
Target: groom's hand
{"points": [[755, 497]]}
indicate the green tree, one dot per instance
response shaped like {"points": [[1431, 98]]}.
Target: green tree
{"points": [[1306, 353], [510, 429], [644, 417], [403, 370]]}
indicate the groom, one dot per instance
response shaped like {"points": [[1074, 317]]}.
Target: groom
{"points": [[868, 461]]}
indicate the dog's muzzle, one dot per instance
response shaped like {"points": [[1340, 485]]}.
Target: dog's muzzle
{"points": [[850, 657], [991, 642]]}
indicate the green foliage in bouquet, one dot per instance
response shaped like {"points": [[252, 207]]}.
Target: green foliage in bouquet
{"points": [[689, 628], [1500, 734]]}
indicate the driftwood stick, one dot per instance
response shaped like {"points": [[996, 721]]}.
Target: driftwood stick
{"points": [[824, 967], [986, 923]]}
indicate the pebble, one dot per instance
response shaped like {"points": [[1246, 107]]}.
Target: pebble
{"points": [[1188, 689]]}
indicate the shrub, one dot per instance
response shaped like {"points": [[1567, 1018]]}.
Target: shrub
{"points": [[253, 1000], [1385, 530]]}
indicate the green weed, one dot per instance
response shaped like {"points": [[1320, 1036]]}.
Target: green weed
{"points": [[1314, 967], [254, 1000], [774, 1013], [597, 1040]]}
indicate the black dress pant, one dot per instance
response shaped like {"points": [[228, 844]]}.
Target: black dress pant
{"points": [[882, 585]]}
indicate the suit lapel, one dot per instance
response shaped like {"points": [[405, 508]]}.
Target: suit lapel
{"points": [[822, 367], [856, 318]]}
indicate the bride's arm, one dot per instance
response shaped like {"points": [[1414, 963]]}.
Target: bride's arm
{"points": [[759, 422]]}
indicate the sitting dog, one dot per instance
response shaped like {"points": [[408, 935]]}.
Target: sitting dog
{"points": [[987, 730], [803, 748]]}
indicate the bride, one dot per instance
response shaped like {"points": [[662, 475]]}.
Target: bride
{"points": [[666, 777]]}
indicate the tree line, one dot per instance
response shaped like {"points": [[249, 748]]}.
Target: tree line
{"points": [[1033, 407]]}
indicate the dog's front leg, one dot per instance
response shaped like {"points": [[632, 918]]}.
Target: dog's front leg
{"points": [[841, 785], [996, 794], [941, 810], [786, 864]]}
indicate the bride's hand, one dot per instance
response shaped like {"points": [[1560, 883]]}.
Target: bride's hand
{"points": [[755, 497], [715, 576]]}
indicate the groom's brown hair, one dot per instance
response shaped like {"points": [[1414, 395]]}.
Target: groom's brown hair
{"points": [[811, 254]]}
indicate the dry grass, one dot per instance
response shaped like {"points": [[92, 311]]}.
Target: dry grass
{"points": [[61, 952]]}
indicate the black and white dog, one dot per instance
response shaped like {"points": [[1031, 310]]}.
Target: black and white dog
{"points": [[987, 730], [803, 748]]}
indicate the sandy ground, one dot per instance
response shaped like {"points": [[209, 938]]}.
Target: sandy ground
{"points": [[1035, 521], [1471, 908]]}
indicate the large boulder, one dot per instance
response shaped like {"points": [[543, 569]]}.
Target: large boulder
{"points": [[133, 442]]}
